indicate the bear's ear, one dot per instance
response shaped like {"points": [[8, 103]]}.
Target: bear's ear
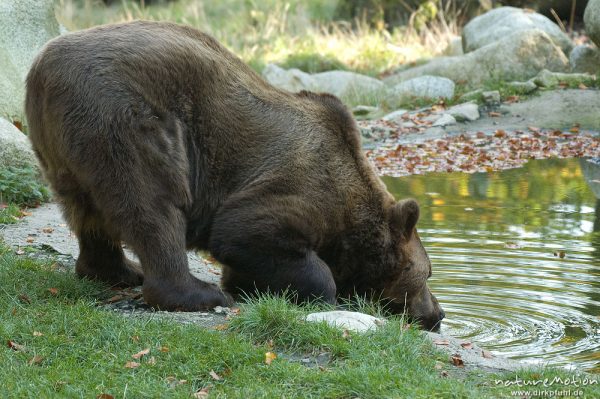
{"points": [[404, 216]]}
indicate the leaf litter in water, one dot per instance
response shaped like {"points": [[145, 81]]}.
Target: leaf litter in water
{"points": [[479, 152]]}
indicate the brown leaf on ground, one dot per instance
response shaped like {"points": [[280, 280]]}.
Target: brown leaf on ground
{"points": [[214, 375], [14, 346], [444, 373], [494, 114], [23, 298], [269, 357], [141, 353], [132, 365], [105, 396], [163, 349], [487, 354], [201, 393], [30, 239], [467, 345], [560, 254], [457, 360], [47, 230], [115, 298], [53, 291], [441, 342], [346, 334], [37, 359], [18, 125]]}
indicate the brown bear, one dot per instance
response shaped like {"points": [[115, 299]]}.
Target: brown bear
{"points": [[154, 134]]}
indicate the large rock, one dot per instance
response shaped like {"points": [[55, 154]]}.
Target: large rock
{"points": [[519, 56], [15, 149], [585, 59], [591, 19], [504, 21], [349, 86], [25, 26], [293, 80], [422, 87]]}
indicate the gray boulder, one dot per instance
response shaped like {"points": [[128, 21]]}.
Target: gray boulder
{"points": [[425, 87], [591, 19], [349, 86], [504, 21], [585, 59], [519, 56], [25, 26], [293, 80], [464, 112], [15, 149]]}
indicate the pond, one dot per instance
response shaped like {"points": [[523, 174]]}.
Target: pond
{"points": [[516, 258]]}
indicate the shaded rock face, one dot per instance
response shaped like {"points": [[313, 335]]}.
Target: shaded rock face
{"points": [[585, 59], [591, 19], [518, 56], [15, 149], [502, 22], [25, 26]]}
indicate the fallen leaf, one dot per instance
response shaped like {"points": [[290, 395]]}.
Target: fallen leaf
{"points": [[499, 133], [30, 239], [221, 327], [18, 125], [487, 354], [574, 129], [269, 357], [560, 254], [141, 353], [444, 373], [25, 213], [457, 360], [24, 298], [494, 114], [14, 346], [37, 334], [105, 396], [47, 230], [441, 342], [135, 338], [214, 375], [37, 359], [346, 334], [582, 86], [202, 393], [132, 365], [163, 349], [53, 291], [467, 345]]}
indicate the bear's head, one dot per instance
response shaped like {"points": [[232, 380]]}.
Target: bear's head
{"points": [[388, 263], [406, 291]]}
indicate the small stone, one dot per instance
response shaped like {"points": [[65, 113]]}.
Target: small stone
{"points": [[474, 95], [464, 112], [523, 87], [355, 321], [445, 120], [491, 97]]}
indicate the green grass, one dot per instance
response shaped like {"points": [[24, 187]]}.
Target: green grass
{"points": [[71, 347], [21, 185], [300, 34], [9, 213]]}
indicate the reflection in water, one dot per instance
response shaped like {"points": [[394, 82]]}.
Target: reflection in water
{"points": [[495, 241]]}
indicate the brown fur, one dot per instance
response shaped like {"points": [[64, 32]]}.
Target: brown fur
{"points": [[156, 135]]}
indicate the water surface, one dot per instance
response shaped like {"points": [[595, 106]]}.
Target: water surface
{"points": [[516, 259]]}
